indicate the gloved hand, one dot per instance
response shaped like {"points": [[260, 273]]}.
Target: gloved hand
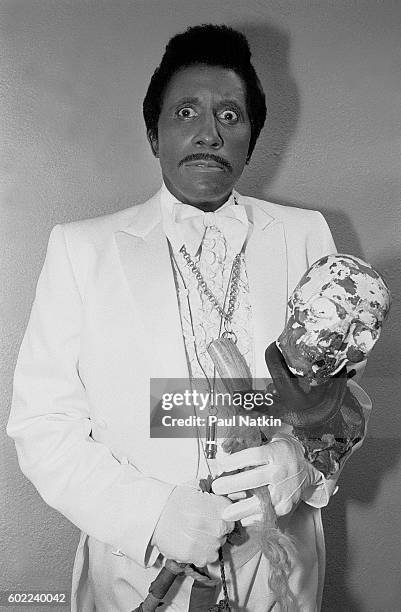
{"points": [[190, 528], [279, 464]]}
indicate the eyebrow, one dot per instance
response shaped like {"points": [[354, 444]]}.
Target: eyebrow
{"points": [[229, 101], [186, 100], [193, 100]]}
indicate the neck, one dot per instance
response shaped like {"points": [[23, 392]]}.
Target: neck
{"points": [[207, 206], [204, 205]]}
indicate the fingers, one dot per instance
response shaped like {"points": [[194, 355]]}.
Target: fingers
{"points": [[252, 520], [249, 479], [249, 511], [226, 528], [200, 548], [242, 509], [217, 528], [191, 571], [236, 496], [190, 528], [249, 457], [282, 448], [201, 557], [286, 493], [278, 501], [283, 508]]}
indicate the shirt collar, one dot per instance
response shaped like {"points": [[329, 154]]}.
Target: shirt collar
{"points": [[176, 232]]}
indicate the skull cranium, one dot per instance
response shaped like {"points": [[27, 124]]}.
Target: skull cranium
{"points": [[336, 315]]}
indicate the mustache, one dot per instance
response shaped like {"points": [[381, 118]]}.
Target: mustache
{"points": [[206, 157]]}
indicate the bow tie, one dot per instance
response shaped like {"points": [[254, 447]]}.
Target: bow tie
{"points": [[192, 222]]}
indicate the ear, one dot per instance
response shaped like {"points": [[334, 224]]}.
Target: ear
{"points": [[248, 157], [153, 141]]}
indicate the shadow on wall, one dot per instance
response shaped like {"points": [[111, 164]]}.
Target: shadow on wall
{"points": [[271, 54], [377, 457], [390, 268]]}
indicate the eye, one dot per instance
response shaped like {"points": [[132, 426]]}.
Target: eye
{"points": [[365, 338], [229, 116], [187, 112], [322, 308]]}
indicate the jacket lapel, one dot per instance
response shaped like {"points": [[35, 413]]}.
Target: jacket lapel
{"points": [[145, 259], [266, 262]]}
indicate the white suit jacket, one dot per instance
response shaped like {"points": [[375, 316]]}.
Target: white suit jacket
{"points": [[105, 319]]}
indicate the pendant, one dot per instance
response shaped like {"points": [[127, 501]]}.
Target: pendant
{"points": [[229, 335], [211, 441], [234, 372], [230, 364]]}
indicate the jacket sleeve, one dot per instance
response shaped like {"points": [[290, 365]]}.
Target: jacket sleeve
{"points": [[51, 426], [320, 242], [319, 239], [319, 496]]}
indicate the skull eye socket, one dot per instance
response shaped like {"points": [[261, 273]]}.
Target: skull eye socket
{"points": [[324, 308], [364, 337]]}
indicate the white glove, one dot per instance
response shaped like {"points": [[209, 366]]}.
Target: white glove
{"points": [[190, 528], [279, 464]]}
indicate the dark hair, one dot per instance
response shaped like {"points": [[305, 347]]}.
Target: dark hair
{"points": [[215, 45]]}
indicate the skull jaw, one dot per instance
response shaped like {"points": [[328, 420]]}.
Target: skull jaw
{"points": [[314, 362]]}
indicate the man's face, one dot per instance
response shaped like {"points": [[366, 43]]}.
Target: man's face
{"points": [[203, 135]]}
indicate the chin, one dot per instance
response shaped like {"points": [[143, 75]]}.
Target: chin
{"points": [[206, 183], [206, 195]]}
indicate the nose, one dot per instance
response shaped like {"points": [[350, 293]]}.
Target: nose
{"points": [[208, 134]]}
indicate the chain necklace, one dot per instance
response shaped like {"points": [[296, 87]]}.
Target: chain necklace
{"points": [[227, 315]]}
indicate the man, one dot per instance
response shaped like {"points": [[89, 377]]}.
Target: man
{"points": [[139, 294]]}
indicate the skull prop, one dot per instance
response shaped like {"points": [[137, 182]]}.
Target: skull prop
{"points": [[336, 314]]}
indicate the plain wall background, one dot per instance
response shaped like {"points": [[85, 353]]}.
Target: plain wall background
{"points": [[73, 145]]}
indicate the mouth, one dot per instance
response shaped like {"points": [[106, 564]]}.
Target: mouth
{"points": [[205, 162], [205, 166]]}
